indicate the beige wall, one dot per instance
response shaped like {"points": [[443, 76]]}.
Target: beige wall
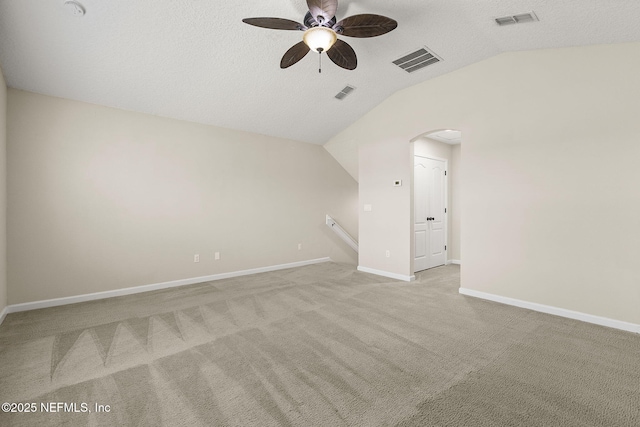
{"points": [[102, 199], [455, 222], [549, 176], [3, 193], [380, 166], [426, 147]]}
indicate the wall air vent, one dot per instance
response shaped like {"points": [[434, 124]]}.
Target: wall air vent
{"points": [[521, 18], [417, 60], [344, 92]]}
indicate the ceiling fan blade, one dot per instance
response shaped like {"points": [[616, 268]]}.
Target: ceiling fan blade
{"points": [[343, 55], [325, 8], [275, 23], [365, 25], [293, 55]]}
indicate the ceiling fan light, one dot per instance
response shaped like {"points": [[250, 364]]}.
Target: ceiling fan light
{"points": [[318, 38]]}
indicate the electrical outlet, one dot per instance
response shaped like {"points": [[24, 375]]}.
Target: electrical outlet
{"points": [[217, 255], [388, 254], [196, 258], [299, 246]]}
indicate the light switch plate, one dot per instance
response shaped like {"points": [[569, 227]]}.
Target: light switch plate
{"points": [[367, 208]]}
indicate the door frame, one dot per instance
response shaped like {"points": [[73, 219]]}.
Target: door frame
{"points": [[446, 203]]}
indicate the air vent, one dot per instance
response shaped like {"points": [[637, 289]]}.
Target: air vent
{"points": [[521, 18], [344, 92], [417, 60]]}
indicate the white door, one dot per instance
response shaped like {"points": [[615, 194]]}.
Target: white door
{"points": [[429, 215]]}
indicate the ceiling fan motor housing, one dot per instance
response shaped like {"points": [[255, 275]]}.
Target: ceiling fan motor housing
{"points": [[311, 22]]}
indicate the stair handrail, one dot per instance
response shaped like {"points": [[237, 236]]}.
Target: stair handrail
{"points": [[332, 224]]}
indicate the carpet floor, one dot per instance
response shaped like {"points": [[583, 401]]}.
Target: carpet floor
{"points": [[321, 345]]}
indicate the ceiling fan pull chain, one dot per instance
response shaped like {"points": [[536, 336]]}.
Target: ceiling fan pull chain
{"points": [[320, 62]]}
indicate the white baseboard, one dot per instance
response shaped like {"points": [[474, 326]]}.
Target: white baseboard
{"points": [[387, 274], [453, 261], [576, 315], [154, 287], [3, 314]]}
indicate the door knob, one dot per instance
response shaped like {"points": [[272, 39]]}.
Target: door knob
{"points": [[430, 218]]}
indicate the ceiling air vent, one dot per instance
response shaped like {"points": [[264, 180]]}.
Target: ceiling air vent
{"points": [[344, 92], [521, 18], [417, 60]]}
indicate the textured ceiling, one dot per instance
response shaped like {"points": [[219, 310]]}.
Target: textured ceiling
{"points": [[196, 60]]}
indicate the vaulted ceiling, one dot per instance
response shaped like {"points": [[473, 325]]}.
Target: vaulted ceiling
{"points": [[197, 61]]}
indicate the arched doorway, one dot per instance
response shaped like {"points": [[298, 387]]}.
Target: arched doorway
{"points": [[435, 237]]}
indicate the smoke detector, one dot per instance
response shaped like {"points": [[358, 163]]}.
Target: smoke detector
{"points": [[74, 7]]}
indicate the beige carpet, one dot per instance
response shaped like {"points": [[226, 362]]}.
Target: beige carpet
{"points": [[321, 345]]}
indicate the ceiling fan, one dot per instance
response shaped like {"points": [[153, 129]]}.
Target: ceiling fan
{"points": [[321, 32]]}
